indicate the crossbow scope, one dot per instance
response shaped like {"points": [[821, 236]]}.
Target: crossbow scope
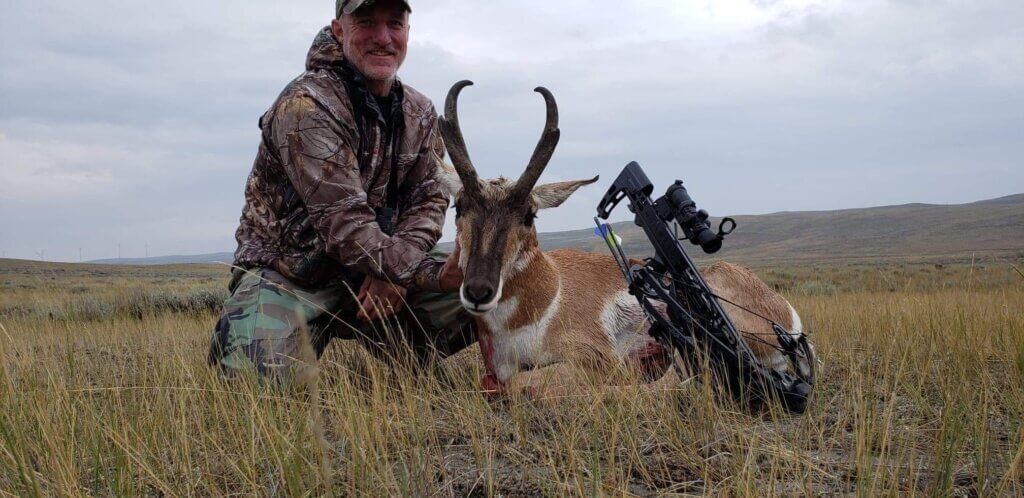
{"points": [[675, 205]]}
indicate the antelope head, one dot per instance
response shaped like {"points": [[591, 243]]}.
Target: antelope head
{"points": [[494, 218]]}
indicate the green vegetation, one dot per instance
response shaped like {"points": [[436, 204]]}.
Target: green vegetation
{"points": [[105, 390]]}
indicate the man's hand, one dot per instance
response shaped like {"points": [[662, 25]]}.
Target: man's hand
{"points": [[451, 275], [379, 299]]}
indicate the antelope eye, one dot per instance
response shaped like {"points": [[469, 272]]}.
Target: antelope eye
{"points": [[528, 221]]}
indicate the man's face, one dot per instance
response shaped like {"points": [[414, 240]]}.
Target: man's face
{"points": [[375, 38]]}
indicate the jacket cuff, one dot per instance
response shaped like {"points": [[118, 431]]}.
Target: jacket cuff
{"points": [[428, 275]]}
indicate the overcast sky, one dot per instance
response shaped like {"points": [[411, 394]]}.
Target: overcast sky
{"points": [[134, 123]]}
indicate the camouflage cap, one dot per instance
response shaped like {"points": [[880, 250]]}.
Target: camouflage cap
{"points": [[350, 6]]}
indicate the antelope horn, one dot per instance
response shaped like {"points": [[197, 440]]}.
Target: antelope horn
{"points": [[545, 147], [451, 132]]}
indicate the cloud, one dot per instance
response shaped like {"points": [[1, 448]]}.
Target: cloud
{"points": [[38, 170], [118, 124]]}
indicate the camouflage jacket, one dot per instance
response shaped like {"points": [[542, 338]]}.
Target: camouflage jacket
{"points": [[321, 176]]}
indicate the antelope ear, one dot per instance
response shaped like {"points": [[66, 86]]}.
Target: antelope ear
{"points": [[450, 181], [554, 194]]}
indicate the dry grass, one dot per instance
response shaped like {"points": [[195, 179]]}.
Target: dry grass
{"points": [[920, 393]]}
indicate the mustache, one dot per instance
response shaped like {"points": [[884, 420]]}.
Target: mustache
{"points": [[383, 48]]}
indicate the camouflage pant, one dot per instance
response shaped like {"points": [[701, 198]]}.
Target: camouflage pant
{"points": [[279, 330]]}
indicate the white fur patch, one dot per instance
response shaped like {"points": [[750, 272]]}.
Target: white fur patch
{"points": [[515, 350], [522, 262], [450, 181], [777, 360], [797, 329], [501, 314], [623, 321]]}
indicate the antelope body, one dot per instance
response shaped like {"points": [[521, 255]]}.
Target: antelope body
{"points": [[547, 318], [561, 307]]}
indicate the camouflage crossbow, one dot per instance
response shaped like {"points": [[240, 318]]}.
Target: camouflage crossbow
{"points": [[696, 325]]}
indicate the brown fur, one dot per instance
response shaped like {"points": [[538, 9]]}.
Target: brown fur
{"points": [[576, 332], [586, 277], [742, 286], [587, 281], [534, 288], [585, 285]]}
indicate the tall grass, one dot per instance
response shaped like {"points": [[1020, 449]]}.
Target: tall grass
{"points": [[920, 392]]}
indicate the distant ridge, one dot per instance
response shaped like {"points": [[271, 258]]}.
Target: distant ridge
{"points": [[218, 257], [991, 228], [1009, 199]]}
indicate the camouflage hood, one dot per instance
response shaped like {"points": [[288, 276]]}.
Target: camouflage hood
{"points": [[325, 52], [321, 177]]}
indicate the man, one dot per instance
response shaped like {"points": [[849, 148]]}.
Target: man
{"points": [[342, 206]]}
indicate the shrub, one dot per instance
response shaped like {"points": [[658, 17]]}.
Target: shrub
{"points": [[135, 303], [817, 288]]}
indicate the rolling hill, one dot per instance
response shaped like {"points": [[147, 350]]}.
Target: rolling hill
{"points": [[991, 228]]}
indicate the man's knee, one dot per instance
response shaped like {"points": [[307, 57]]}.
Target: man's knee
{"points": [[446, 327], [263, 330]]}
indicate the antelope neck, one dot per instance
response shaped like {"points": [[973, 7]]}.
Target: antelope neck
{"points": [[532, 276]]}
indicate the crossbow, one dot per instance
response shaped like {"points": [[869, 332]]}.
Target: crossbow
{"points": [[693, 322]]}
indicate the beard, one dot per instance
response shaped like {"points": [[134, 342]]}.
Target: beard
{"points": [[379, 63]]}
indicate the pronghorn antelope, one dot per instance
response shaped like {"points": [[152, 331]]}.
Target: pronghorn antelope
{"points": [[544, 318]]}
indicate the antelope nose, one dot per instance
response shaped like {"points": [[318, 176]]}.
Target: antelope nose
{"points": [[479, 291]]}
